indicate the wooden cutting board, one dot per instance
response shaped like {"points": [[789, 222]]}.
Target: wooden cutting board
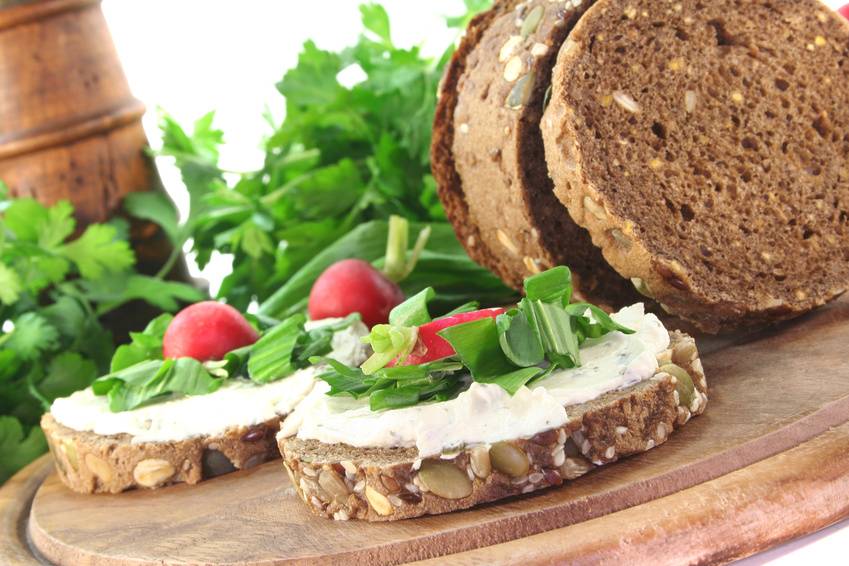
{"points": [[769, 460]]}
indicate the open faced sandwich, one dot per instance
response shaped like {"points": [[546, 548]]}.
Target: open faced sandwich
{"points": [[191, 398], [478, 405]]}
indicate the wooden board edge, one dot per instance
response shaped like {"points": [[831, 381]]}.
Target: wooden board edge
{"points": [[747, 511], [15, 501]]}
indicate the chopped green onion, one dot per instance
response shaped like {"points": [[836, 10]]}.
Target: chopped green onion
{"points": [[389, 343]]}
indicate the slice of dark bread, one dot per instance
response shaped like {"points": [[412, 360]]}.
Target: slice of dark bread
{"points": [[91, 463], [705, 147], [344, 482], [487, 151]]}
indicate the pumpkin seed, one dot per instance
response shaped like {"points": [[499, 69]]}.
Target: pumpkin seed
{"points": [[684, 384], [684, 353], [521, 92], [574, 468], [215, 463], [509, 460], [445, 479], [481, 464], [532, 21]]}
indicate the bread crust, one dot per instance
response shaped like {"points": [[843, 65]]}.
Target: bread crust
{"points": [[342, 482], [487, 151], [91, 463], [647, 248]]}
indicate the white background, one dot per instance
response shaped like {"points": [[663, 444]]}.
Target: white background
{"points": [[192, 56]]}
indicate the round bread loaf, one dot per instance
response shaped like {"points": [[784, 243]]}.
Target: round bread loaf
{"points": [[488, 156], [704, 144]]}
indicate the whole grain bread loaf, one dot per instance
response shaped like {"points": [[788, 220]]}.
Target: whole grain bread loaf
{"points": [[705, 147], [343, 482], [487, 151], [91, 463]]}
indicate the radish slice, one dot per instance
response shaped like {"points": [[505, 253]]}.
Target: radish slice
{"points": [[430, 346]]}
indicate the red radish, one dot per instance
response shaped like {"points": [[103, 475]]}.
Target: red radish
{"points": [[353, 285], [844, 11], [207, 331], [430, 346]]}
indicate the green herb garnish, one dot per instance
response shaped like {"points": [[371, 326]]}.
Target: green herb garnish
{"points": [[543, 333], [140, 376]]}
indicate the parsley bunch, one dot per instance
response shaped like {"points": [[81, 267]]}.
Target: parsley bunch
{"points": [[54, 289], [345, 156]]}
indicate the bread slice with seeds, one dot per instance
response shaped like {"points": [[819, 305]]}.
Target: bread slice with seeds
{"points": [[383, 484], [182, 439], [487, 151], [705, 147], [91, 463]]}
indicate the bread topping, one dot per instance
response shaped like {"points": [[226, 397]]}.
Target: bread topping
{"points": [[485, 413], [237, 403]]}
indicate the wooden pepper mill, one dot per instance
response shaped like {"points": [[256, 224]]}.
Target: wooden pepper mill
{"points": [[69, 126], [71, 129]]}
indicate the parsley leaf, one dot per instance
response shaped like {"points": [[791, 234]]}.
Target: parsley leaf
{"points": [[18, 448], [98, 251], [53, 293], [350, 151], [32, 336], [10, 285]]}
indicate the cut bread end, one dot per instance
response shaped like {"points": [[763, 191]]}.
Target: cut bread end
{"points": [[92, 463], [384, 484]]}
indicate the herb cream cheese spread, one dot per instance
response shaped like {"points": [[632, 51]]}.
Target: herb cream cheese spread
{"points": [[485, 413], [239, 402]]}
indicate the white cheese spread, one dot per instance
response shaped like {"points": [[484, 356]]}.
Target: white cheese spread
{"points": [[485, 413], [237, 403]]}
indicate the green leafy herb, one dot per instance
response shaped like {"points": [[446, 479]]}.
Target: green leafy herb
{"points": [[413, 311], [388, 343], [345, 155], [443, 265], [396, 387], [551, 286], [144, 346], [518, 340], [271, 356], [139, 376], [54, 291], [155, 380], [477, 345], [521, 345], [17, 448]]}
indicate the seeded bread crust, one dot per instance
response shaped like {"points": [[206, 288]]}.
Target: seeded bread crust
{"points": [[91, 463], [342, 482], [704, 146], [487, 151]]}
